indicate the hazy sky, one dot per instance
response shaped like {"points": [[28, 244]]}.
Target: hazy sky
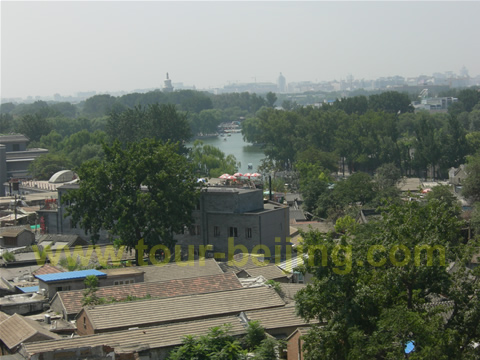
{"points": [[65, 47]]}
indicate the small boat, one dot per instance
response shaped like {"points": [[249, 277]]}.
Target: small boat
{"points": [[225, 139], [250, 165]]}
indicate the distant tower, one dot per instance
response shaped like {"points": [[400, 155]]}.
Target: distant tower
{"points": [[464, 72], [167, 85], [282, 84]]}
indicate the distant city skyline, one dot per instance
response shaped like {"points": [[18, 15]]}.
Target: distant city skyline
{"points": [[64, 48]]}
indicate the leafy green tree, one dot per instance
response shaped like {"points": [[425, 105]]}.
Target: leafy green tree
{"points": [[386, 176], [289, 105], [271, 99], [6, 123], [65, 109], [144, 192], [206, 122], [255, 335], [267, 350], [6, 108], [352, 105], [473, 141], [469, 98], [444, 195], [160, 122], [475, 220], [471, 185], [43, 167], [211, 161], [391, 102], [218, 344], [373, 294], [99, 105], [90, 293], [34, 126]]}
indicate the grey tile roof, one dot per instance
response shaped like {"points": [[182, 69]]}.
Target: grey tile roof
{"points": [[153, 337], [277, 318], [72, 300], [184, 270], [69, 240], [289, 290], [4, 139], [181, 308], [3, 316], [17, 329], [269, 272]]}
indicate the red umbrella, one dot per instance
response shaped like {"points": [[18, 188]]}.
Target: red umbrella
{"points": [[231, 177], [224, 176], [256, 175], [238, 174], [247, 175]]}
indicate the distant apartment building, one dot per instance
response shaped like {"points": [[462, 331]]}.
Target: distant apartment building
{"points": [[222, 213], [240, 214], [15, 159]]}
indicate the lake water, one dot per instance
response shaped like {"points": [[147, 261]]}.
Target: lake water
{"points": [[243, 151]]}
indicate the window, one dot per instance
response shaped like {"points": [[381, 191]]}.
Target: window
{"points": [[248, 233], [233, 231], [16, 147], [63, 288], [195, 230], [122, 282], [216, 231], [84, 322]]}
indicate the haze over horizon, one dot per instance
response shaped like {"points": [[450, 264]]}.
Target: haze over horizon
{"points": [[67, 47]]}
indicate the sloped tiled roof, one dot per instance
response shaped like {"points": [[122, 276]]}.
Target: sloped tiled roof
{"points": [[3, 316], [277, 318], [47, 269], [72, 300], [13, 138], [269, 272], [69, 240], [242, 261], [17, 329], [157, 311], [154, 337], [184, 270], [289, 290], [14, 232]]}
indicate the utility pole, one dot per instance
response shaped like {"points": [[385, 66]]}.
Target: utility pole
{"points": [[15, 209]]}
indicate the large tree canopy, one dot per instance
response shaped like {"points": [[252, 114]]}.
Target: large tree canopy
{"points": [[377, 291], [146, 191], [471, 185], [160, 122]]}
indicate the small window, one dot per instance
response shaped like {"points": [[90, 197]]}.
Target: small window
{"points": [[248, 233], [58, 288], [195, 230], [16, 147], [233, 231], [84, 322], [216, 231]]}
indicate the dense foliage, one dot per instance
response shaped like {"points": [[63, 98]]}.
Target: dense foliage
{"points": [[220, 344], [143, 192], [378, 290]]}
